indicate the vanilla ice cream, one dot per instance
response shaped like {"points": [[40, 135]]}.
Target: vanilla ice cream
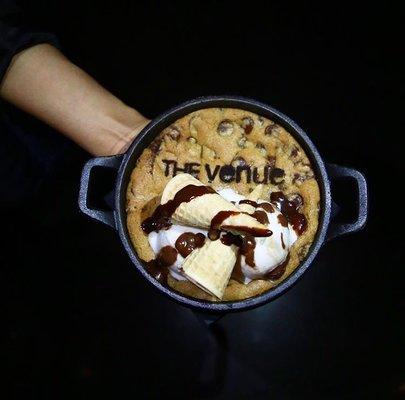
{"points": [[269, 252]]}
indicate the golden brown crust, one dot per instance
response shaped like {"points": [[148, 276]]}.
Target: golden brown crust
{"points": [[200, 138]]}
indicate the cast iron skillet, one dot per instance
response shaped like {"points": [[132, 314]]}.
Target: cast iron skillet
{"points": [[125, 163]]}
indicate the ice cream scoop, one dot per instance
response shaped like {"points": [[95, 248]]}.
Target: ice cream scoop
{"points": [[257, 260], [271, 251], [267, 252]]}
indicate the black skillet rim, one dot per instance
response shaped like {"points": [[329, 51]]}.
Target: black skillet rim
{"points": [[167, 118]]}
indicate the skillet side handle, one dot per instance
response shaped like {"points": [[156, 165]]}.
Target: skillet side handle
{"points": [[337, 229], [113, 162]]}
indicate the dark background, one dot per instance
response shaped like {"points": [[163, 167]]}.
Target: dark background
{"points": [[80, 322]]}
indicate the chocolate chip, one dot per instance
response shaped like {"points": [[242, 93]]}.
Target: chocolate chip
{"points": [[294, 152], [297, 178], [260, 121], [261, 148], [247, 124], [276, 176], [296, 199], [300, 178], [239, 162], [242, 142], [173, 132], [271, 161], [225, 128], [270, 129], [155, 145]]}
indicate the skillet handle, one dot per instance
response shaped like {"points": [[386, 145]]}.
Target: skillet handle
{"points": [[337, 229], [112, 162]]}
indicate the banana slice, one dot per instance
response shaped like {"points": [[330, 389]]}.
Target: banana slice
{"points": [[201, 210], [210, 266]]}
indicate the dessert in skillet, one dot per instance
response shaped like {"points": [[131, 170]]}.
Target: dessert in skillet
{"points": [[222, 205]]}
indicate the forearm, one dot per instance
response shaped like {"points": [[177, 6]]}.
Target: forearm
{"points": [[42, 82]]}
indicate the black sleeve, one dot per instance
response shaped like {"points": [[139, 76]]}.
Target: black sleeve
{"points": [[16, 34]]}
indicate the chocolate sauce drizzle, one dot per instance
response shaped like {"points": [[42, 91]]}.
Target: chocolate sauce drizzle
{"points": [[261, 216], [250, 202], [282, 220], [230, 239], [237, 273], [188, 242], [276, 273], [161, 218], [216, 222], [290, 211], [282, 240], [159, 267], [248, 250], [279, 271], [216, 226], [246, 246], [266, 206]]}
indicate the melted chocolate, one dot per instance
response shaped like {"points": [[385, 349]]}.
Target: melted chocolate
{"points": [[278, 272], [246, 246], [282, 220], [237, 273], [250, 202], [297, 200], [248, 250], [261, 216], [290, 211], [159, 273], [158, 268], [167, 256], [230, 239], [161, 218], [282, 240], [188, 241], [251, 231], [216, 223], [266, 207]]}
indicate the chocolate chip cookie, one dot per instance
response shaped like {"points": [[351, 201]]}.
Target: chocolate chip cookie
{"points": [[226, 148]]}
